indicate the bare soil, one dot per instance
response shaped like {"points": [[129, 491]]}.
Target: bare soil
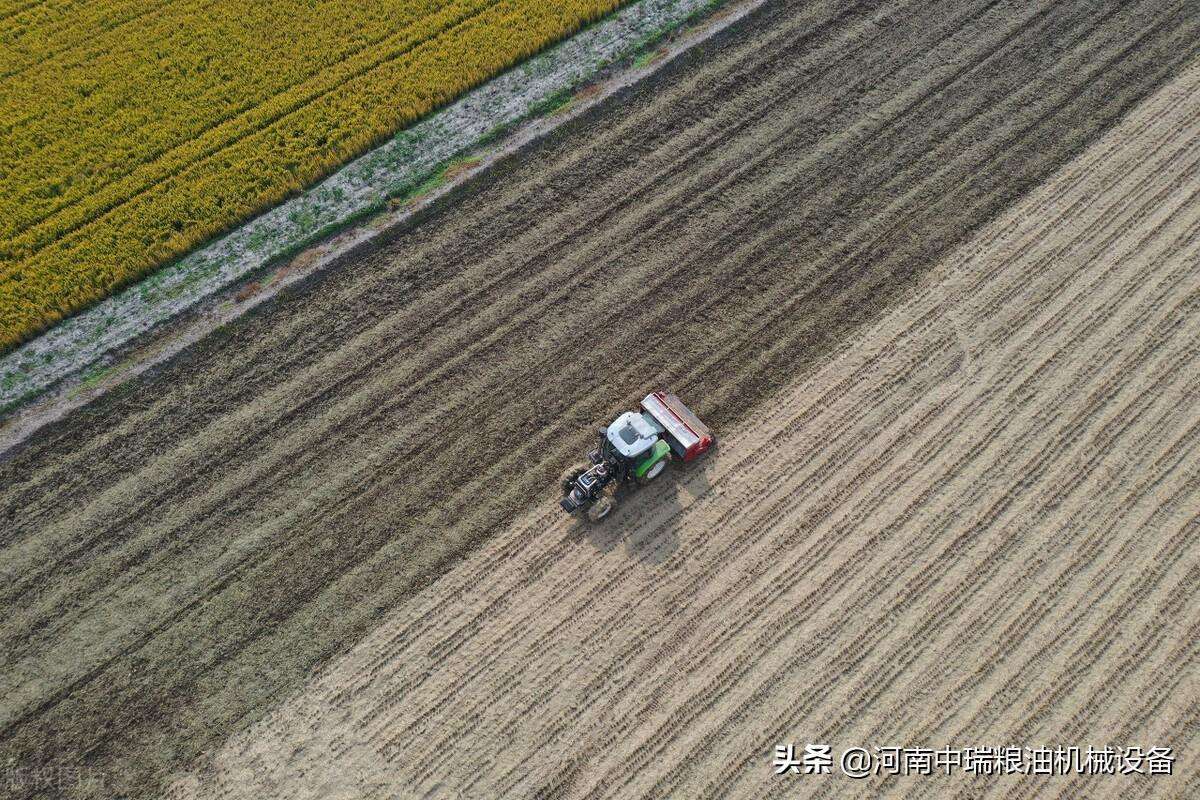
{"points": [[977, 524], [181, 554]]}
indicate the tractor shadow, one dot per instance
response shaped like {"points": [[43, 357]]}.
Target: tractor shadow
{"points": [[646, 521]]}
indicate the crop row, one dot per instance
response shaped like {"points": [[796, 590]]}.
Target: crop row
{"points": [[117, 164]]}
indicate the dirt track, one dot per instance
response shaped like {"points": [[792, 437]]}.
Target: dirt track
{"points": [[184, 552], [980, 523]]}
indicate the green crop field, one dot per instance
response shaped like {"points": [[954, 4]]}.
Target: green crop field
{"points": [[134, 131]]}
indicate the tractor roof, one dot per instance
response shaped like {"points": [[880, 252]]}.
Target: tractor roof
{"points": [[632, 434]]}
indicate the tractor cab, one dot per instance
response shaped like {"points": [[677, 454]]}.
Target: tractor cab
{"points": [[632, 434]]}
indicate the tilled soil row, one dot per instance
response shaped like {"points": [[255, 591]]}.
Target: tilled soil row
{"points": [[184, 551]]}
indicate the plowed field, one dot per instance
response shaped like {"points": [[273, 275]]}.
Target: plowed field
{"points": [[978, 523], [185, 551]]}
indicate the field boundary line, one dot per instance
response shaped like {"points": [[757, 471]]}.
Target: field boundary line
{"points": [[150, 321]]}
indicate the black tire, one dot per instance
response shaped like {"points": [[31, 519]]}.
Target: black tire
{"points": [[600, 509]]}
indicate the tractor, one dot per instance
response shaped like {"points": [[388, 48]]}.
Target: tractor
{"points": [[634, 449]]}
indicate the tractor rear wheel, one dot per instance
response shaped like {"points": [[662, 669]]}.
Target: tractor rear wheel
{"points": [[600, 508], [567, 482], [654, 471]]}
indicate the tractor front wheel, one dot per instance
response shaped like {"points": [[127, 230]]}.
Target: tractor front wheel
{"points": [[600, 509]]}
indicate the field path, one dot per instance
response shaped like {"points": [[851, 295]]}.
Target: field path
{"points": [[179, 555], [976, 524]]}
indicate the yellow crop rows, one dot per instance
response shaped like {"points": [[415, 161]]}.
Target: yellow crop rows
{"points": [[134, 131]]}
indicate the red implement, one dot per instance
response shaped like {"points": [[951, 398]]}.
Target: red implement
{"points": [[688, 436]]}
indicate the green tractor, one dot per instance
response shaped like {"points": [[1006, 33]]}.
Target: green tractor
{"points": [[635, 448]]}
